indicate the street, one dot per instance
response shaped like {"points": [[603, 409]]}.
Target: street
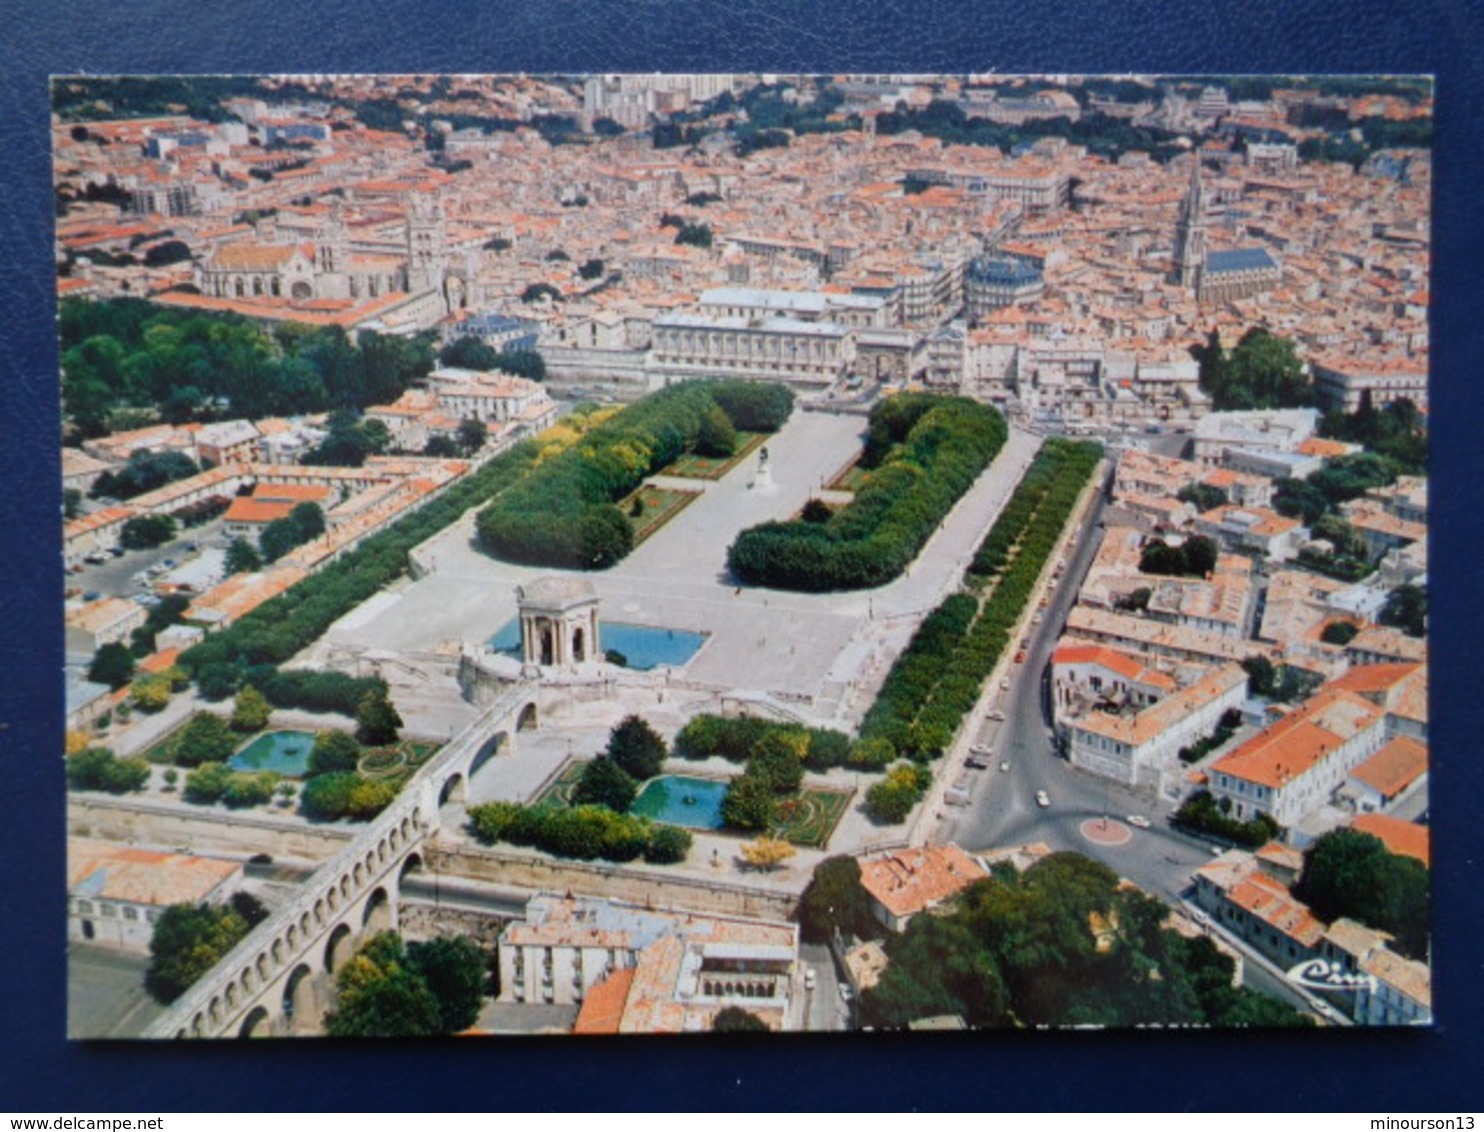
{"points": [[1004, 811]]}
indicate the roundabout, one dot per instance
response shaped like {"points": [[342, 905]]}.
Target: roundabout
{"points": [[1106, 831]]}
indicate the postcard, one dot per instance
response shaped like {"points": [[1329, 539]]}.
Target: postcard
{"points": [[678, 553]]}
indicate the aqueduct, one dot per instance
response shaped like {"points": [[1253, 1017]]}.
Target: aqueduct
{"points": [[277, 981]]}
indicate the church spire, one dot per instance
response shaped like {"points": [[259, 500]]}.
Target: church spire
{"points": [[1190, 232]]}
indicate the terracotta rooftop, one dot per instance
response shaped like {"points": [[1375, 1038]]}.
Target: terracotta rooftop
{"points": [[1394, 767], [1300, 740], [140, 876], [1404, 838], [909, 880], [602, 1009]]}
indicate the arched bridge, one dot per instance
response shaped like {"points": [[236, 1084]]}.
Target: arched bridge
{"points": [[279, 979]]}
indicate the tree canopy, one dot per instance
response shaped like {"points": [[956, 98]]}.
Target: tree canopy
{"points": [[188, 941], [124, 353], [1060, 944], [604, 783], [1349, 873], [1262, 372], [636, 748], [1406, 609], [835, 900]]}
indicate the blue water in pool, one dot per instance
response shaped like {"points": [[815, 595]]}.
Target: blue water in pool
{"points": [[643, 647], [676, 799], [286, 752]]}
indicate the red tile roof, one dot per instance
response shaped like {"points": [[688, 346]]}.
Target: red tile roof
{"points": [[602, 1009], [1404, 838]]}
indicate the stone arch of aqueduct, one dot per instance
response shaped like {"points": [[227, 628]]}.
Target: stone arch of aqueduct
{"points": [[277, 981]]}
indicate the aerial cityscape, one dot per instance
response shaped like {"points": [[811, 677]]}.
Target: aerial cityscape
{"points": [[679, 553]]}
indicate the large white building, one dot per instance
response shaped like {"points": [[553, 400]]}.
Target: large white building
{"points": [[774, 348], [1293, 767], [1129, 747], [115, 893]]}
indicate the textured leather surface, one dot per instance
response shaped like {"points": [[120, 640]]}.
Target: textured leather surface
{"points": [[38, 1071]]}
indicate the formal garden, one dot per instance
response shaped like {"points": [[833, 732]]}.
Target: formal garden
{"points": [[569, 511], [697, 466], [922, 452]]}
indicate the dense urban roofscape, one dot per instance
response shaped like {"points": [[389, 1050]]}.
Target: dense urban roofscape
{"points": [[787, 530]]}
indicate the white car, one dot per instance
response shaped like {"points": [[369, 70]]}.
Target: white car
{"points": [[1138, 820], [1042, 800], [996, 715]]}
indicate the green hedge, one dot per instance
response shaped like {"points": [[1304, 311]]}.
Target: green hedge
{"points": [[1201, 813], [345, 794], [564, 513], [926, 451], [939, 675], [583, 832], [734, 739], [96, 768], [891, 800]]}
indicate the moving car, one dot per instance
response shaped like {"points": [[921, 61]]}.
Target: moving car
{"points": [[1138, 820], [1004, 766], [1042, 800]]}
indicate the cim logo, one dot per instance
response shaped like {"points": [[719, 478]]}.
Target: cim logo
{"points": [[1325, 975]]}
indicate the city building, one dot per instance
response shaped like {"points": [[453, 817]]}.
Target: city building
{"points": [[1294, 766], [115, 893], [637, 970], [904, 882]]}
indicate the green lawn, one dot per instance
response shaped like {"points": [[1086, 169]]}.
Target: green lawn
{"points": [[661, 504], [559, 790], [696, 467], [852, 478]]}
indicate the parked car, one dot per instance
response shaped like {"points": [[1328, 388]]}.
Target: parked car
{"points": [[1020, 657], [1138, 820], [809, 978], [1004, 766]]}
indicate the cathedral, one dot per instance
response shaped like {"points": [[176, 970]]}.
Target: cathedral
{"points": [[333, 270], [1216, 276]]}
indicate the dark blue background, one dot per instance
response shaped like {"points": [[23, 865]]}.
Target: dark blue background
{"points": [[1331, 1070]]}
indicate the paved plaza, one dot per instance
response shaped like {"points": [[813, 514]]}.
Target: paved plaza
{"points": [[759, 640]]}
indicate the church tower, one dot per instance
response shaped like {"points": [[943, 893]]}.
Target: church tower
{"points": [[1190, 233], [333, 244], [426, 256]]}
